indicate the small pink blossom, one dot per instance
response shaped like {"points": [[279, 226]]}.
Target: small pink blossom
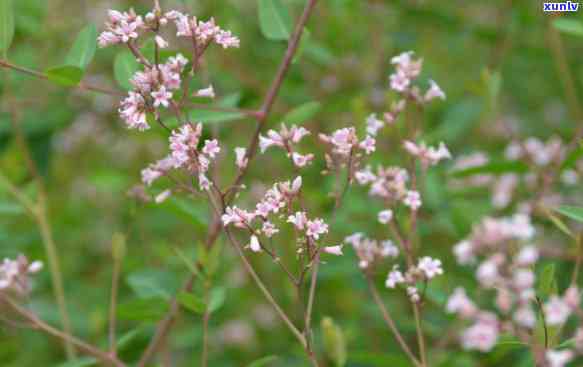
{"points": [[302, 160], [211, 148], [394, 277], [315, 228], [161, 197], [385, 216], [161, 42], [373, 124], [559, 358], [556, 311], [241, 157], [161, 97], [208, 92], [460, 304], [254, 244], [430, 267], [299, 220], [412, 200], [368, 145], [433, 92], [481, 336], [333, 250]]}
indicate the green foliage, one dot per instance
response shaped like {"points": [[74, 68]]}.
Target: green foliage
{"points": [[334, 341], [274, 20], [6, 24], [264, 362], [573, 212], [124, 67], [569, 26], [84, 48], [67, 75], [302, 113]]}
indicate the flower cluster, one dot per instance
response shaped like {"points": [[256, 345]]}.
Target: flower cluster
{"points": [[14, 275], [121, 27], [370, 251], [186, 154], [202, 32], [276, 202], [407, 70], [426, 269], [344, 142], [389, 184], [287, 139], [154, 86], [506, 267], [428, 156]]}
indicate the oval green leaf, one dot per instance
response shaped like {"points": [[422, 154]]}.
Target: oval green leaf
{"points": [[573, 212], [124, 67], [6, 24], [84, 47], [67, 75], [569, 26], [274, 20], [302, 113]]}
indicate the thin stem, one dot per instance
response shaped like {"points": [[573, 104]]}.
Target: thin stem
{"points": [[43, 326], [420, 338], [390, 322], [56, 275], [205, 331], [579, 247], [237, 246], [39, 75], [113, 306], [542, 315]]}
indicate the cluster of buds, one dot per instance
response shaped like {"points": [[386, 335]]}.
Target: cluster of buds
{"points": [[153, 89], [14, 275], [390, 184], [407, 70], [287, 139], [371, 251], [154, 86], [278, 204], [186, 154], [426, 269], [374, 124], [428, 156], [505, 268]]}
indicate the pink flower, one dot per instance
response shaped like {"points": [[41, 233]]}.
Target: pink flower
{"points": [[203, 182], [315, 228], [525, 317], [559, 358], [211, 148], [161, 97], [459, 303], [254, 244], [464, 253], [412, 200], [368, 145], [241, 157], [373, 124], [481, 336], [556, 311], [227, 40], [523, 278], [388, 249], [133, 111], [161, 197], [161, 42], [333, 250], [433, 92], [208, 92], [572, 297], [299, 220], [302, 160], [394, 277], [269, 229], [430, 267], [385, 216]]}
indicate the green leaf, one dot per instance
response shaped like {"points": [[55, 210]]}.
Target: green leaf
{"points": [[190, 264], [263, 362], [6, 24], [84, 47], [302, 113], [124, 67], [494, 168], [547, 284], [560, 224], [458, 121], [569, 26], [150, 284], [334, 342], [146, 310], [7, 208], [304, 42], [274, 20], [217, 299], [67, 75], [191, 302], [573, 212], [80, 362], [573, 157]]}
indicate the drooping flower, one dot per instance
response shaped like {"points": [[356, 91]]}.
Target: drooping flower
{"points": [[430, 267]]}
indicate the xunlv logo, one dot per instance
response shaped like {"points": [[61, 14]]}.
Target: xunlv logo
{"points": [[558, 7]]}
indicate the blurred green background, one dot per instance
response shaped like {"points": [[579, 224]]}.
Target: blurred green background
{"points": [[492, 58]]}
